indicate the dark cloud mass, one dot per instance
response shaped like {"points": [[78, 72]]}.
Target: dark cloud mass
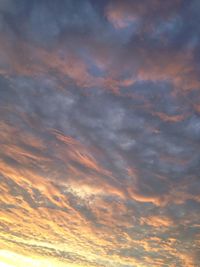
{"points": [[99, 133]]}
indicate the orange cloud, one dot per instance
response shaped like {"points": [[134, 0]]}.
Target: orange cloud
{"points": [[119, 18], [167, 118], [157, 221]]}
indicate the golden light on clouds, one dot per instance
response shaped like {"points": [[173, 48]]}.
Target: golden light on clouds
{"points": [[99, 133], [12, 259]]}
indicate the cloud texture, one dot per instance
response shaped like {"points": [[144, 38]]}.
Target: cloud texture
{"points": [[100, 133]]}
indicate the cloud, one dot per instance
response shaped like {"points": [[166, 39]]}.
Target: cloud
{"points": [[157, 221], [99, 132]]}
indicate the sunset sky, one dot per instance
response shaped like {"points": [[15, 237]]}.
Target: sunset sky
{"points": [[99, 133]]}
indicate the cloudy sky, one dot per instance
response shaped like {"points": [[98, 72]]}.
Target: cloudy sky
{"points": [[99, 133]]}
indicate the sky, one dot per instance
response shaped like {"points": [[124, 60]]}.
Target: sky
{"points": [[99, 133]]}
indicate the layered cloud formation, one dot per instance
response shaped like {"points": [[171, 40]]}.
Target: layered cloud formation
{"points": [[100, 133]]}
